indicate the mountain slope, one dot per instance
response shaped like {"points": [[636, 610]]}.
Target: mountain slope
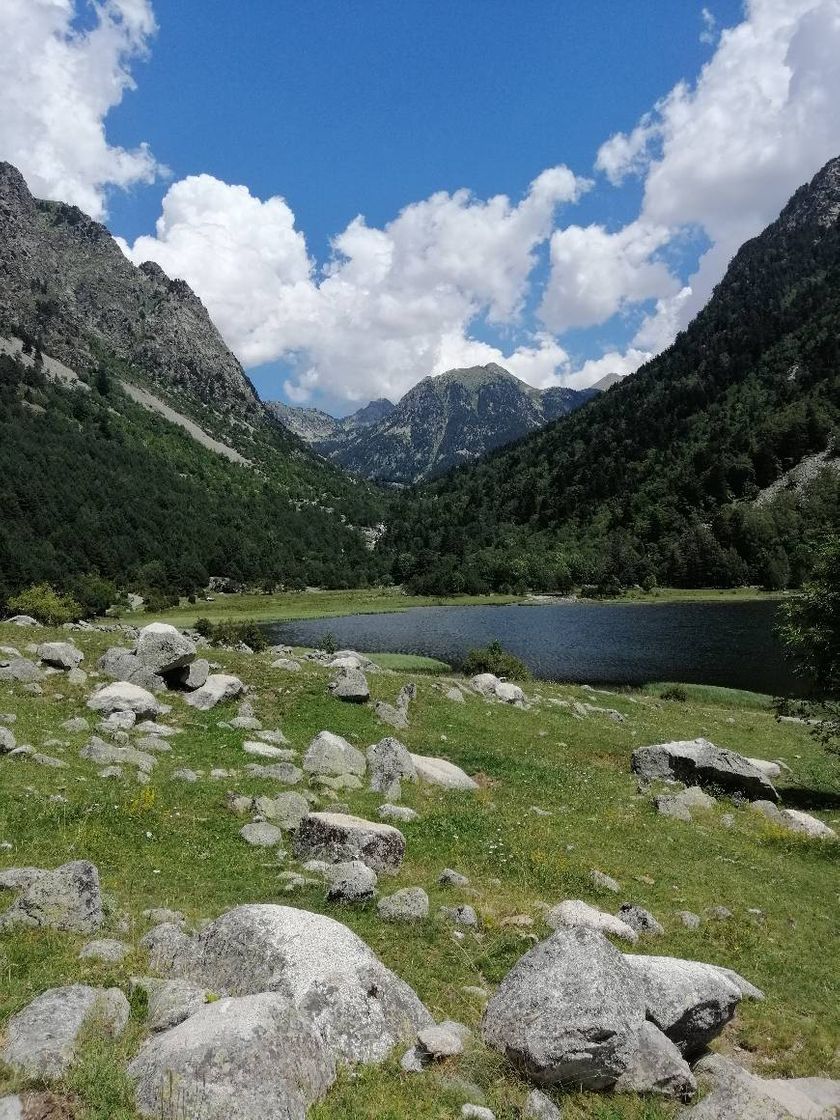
{"points": [[656, 478], [130, 435], [440, 423], [320, 429]]}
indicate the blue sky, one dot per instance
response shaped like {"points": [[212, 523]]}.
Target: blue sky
{"points": [[553, 185]]}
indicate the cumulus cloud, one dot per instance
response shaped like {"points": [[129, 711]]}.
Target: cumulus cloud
{"points": [[392, 304], [59, 84]]}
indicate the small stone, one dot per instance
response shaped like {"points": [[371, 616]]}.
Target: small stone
{"points": [[539, 1107], [639, 919], [689, 920], [397, 813], [410, 904], [106, 949], [476, 1112], [440, 1042], [576, 913], [604, 882], [450, 878], [184, 775], [350, 882], [459, 915], [261, 835]]}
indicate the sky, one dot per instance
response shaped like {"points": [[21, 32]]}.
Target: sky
{"points": [[367, 193]]}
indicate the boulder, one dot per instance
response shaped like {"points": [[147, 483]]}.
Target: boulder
{"points": [[794, 820], [539, 1107], [286, 810], [462, 915], [259, 749], [41, 1038], [106, 949], [118, 663], [455, 695], [699, 762], [653, 1064], [736, 1093], [169, 1002], [639, 919], [351, 686], [442, 1040], [361, 1009], [330, 755], [106, 754], [441, 772], [23, 620], [218, 688], [389, 762], [190, 677], [451, 878], [350, 882], [485, 685], [769, 769], [123, 696], [67, 899], [387, 713], [20, 669], [337, 837], [411, 904], [7, 741], [161, 648], [565, 1012], [60, 655], [573, 913], [261, 835], [163, 943], [691, 1002], [680, 805], [397, 813], [255, 1057], [277, 771], [287, 664]]}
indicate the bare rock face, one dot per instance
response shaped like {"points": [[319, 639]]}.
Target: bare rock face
{"points": [[41, 1039], [67, 899], [338, 838], [360, 1008], [699, 762], [254, 1057]]}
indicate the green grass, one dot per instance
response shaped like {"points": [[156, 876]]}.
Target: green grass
{"points": [[291, 605], [697, 595], [714, 694], [410, 663], [170, 844]]}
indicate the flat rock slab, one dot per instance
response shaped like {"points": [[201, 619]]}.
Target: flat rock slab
{"points": [[41, 1039], [736, 1093], [123, 696], [338, 838], [699, 762], [66, 899], [360, 1008], [248, 1058], [441, 772]]}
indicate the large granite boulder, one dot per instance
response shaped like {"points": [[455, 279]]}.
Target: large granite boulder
{"points": [[339, 838], [351, 686], [360, 1008], [66, 899], [124, 696], [161, 648], [60, 655], [691, 1002], [332, 756], [699, 762], [41, 1039], [389, 762], [255, 1057], [567, 1011]]}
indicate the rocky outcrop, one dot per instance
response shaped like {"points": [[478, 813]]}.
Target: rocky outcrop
{"points": [[699, 762]]}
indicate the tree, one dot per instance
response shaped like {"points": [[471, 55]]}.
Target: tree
{"points": [[811, 631]]}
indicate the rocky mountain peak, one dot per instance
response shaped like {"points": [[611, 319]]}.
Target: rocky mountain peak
{"points": [[817, 202]]}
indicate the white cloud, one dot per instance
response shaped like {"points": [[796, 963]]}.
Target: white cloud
{"points": [[393, 304], [58, 85], [708, 34]]}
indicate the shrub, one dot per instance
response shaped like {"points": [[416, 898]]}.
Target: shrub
{"points": [[497, 660], [328, 643], [674, 692], [204, 627], [228, 633], [46, 605]]}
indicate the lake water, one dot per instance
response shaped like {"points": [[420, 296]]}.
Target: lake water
{"points": [[730, 644]]}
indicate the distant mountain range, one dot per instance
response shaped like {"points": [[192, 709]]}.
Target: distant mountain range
{"points": [[440, 423]]}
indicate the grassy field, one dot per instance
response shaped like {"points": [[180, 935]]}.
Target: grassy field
{"points": [[172, 844]]}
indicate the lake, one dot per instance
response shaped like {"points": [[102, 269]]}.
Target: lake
{"points": [[730, 644]]}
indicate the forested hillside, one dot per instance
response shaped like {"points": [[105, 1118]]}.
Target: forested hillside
{"points": [[658, 479]]}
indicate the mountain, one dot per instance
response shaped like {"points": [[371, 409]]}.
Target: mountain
{"points": [[658, 479], [440, 423], [132, 444]]}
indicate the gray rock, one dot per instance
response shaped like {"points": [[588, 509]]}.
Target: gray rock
{"points": [[680, 805], [19, 878], [476, 1112], [118, 663], [77, 677], [164, 943], [123, 696], [387, 713], [795, 820], [283, 772], [397, 813], [450, 878], [255, 1057], [287, 664], [337, 837], [23, 620], [41, 1039], [639, 919], [161, 648], [261, 835], [361, 1009], [604, 882], [118, 722], [286, 810], [60, 655], [539, 1107], [350, 882], [67, 899], [688, 919], [160, 914], [7, 741], [184, 775], [573, 912], [441, 772], [106, 949], [689, 1001], [20, 669], [246, 723], [218, 688], [169, 1002], [565, 1012], [699, 762], [351, 686], [455, 695], [441, 1041], [389, 763], [333, 756], [106, 754], [190, 677], [76, 724], [459, 915], [737, 1094], [267, 750], [411, 904], [153, 743], [653, 1064]]}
